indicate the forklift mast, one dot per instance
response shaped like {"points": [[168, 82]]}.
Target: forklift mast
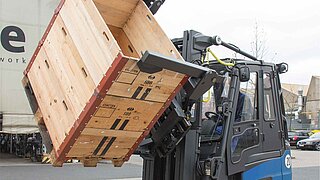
{"points": [[154, 5], [237, 131]]}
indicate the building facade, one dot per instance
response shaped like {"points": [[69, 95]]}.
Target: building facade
{"points": [[302, 104], [313, 102]]}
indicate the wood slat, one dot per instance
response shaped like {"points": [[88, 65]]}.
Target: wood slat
{"points": [[137, 112], [111, 133], [50, 103], [154, 87], [116, 12], [151, 37], [67, 64], [96, 50], [86, 145], [126, 46]]}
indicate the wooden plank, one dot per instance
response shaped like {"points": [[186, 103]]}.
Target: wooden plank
{"points": [[126, 46], [30, 95], [35, 78], [115, 31], [86, 145], [87, 141], [38, 117], [115, 12], [120, 147], [91, 107], [113, 133], [90, 162], [67, 64], [131, 67], [126, 78], [96, 49], [102, 27], [151, 37], [136, 112], [117, 162], [43, 81], [153, 87]]}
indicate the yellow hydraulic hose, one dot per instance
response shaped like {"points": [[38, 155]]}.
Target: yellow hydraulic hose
{"points": [[219, 60], [209, 97]]}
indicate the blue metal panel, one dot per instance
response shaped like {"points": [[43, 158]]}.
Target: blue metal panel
{"points": [[276, 168], [287, 166]]}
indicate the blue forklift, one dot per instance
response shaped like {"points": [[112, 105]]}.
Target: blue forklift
{"points": [[227, 123]]}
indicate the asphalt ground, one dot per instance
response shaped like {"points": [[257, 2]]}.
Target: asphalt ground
{"points": [[306, 165], [12, 168]]}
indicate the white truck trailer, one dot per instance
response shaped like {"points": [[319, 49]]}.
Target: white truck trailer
{"points": [[22, 24]]}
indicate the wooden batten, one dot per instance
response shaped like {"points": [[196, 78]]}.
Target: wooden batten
{"points": [[116, 13], [91, 95]]}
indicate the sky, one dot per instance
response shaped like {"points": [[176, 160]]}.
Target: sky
{"points": [[290, 30]]}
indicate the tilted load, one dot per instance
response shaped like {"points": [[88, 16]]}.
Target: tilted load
{"points": [[84, 83]]}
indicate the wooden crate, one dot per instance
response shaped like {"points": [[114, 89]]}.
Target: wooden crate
{"points": [[85, 85]]}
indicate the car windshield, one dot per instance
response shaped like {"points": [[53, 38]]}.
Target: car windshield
{"points": [[316, 135]]}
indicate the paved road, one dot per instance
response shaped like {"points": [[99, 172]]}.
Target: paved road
{"points": [[306, 165], [69, 172], [22, 169]]}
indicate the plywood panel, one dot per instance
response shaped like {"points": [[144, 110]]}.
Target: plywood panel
{"points": [[92, 146], [56, 117], [151, 87], [113, 133], [138, 113], [96, 46], [116, 12], [151, 36], [126, 46], [66, 62]]}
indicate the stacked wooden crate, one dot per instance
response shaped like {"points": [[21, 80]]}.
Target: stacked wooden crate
{"points": [[88, 89]]}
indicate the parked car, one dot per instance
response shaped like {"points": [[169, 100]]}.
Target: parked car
{"points": [[313, 132], [313, 142], [295, 136]]}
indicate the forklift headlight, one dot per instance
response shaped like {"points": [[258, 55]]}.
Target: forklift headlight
{"points": [[282, 68], [207, 167]]}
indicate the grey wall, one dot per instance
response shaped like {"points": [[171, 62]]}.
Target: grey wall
{"points": [[313, 101]]}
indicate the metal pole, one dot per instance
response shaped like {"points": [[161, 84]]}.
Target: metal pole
{"points": [[291, 118], [1, 121], [318, 119], [11, 140]]}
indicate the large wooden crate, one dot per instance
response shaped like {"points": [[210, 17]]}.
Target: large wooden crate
{"points": [[88, 89]]}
